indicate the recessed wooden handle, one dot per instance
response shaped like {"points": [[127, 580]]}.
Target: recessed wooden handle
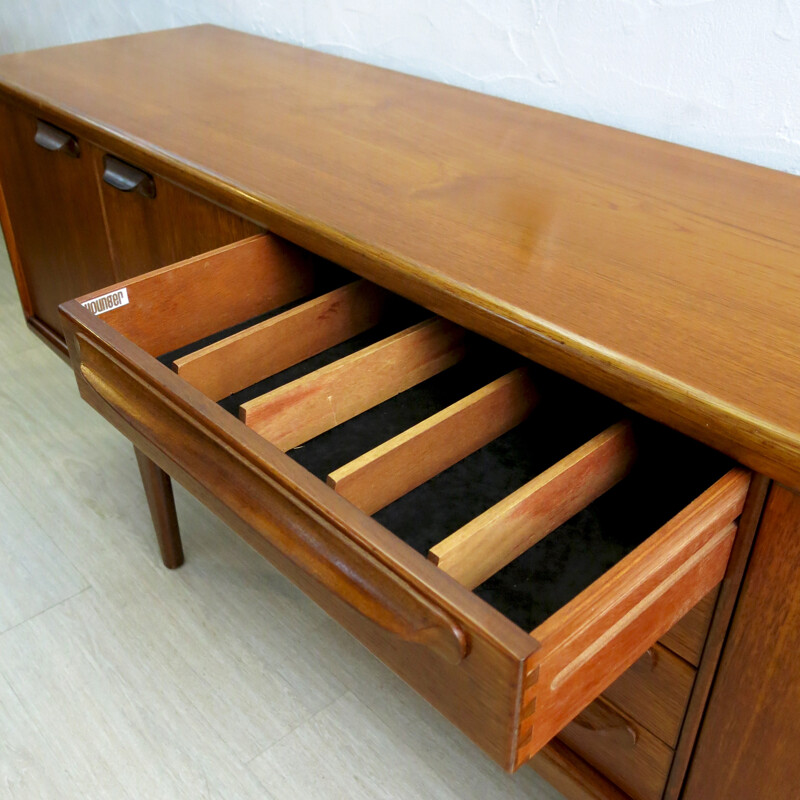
{"points": [[603, 719], [325, 554], [51, 138], [127, 178]]}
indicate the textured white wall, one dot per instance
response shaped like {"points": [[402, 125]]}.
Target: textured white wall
{"points": [[721, 75]]}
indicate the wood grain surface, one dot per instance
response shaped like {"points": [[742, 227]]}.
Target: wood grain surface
{"points": [[654, 691], [59, 240], [687, 636], [181, 303], [394, 468], [620, 748], [147, 233], [517, 222], [14, 257], [748, 743], [503, 532], [717, 633], [321, 400]]}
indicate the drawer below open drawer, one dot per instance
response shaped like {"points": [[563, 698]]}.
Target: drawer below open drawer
{"points": [[347, 435], [621, 749]]}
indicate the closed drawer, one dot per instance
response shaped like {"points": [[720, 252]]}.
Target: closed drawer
{"points": [[654, 692], [621, 749], [687, 636], [508, 542]]}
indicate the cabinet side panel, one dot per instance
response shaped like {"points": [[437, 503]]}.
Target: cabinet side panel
{"points": [[748, 742], [13, 255]]}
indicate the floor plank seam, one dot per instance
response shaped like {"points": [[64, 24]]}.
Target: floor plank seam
{"points": [[46, 610], [299, 725], [13, 691]]}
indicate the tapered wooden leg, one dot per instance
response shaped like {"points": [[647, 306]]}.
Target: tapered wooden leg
{"points": [[158, 488]]}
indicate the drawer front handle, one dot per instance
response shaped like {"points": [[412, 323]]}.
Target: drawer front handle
{"points": [[51, 138], [324, 554], [127, 178]]}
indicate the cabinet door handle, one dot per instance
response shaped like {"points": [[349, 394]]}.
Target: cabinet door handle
{"points": [[52, 138], [127, 178]]}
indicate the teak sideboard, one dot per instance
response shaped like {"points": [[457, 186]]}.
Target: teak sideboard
{"points": [[513, 396]]}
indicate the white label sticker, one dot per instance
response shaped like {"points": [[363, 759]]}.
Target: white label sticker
{"points": [[99, 305]]}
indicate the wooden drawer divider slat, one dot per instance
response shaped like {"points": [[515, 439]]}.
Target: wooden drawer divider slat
{"points": [[487, 543], [264, 349], [305, 408], [394, 468]]}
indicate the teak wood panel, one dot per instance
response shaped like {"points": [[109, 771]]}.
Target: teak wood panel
{"points": [[512, 221], [620, 748], [723, 609], [266, 348], [13, 252], [485, 545], [146, 233], [182, 303], [748, 743], [55, 218], [394, 468]]}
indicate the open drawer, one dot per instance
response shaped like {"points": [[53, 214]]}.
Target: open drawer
{"points": [[505, 540]]}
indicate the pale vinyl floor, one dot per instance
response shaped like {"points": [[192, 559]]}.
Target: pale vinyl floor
{"points": [[120, 679]]}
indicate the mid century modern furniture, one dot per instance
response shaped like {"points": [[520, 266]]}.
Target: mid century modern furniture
{"points": [[513, 396]]}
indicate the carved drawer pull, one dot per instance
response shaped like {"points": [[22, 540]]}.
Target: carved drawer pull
{"points": [[349, 572], [602, 718]]}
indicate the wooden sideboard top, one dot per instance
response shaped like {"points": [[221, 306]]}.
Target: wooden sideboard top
{"points": [[666, 277]]}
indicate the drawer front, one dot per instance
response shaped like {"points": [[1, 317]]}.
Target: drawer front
{"points": [[621, 749], [508, 687], [573, 776], [655, 692]]}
